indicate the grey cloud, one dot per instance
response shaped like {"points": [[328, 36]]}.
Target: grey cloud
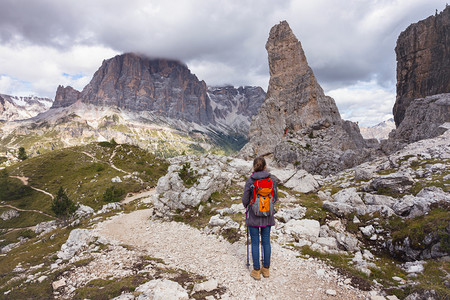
{"points": [[345, 42]]}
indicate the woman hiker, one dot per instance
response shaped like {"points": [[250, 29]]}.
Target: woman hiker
{"points": [[259, 225]]}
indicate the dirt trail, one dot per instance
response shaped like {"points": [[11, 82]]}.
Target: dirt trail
{"points": [[25, 182], [32, 210], [111, 163], [187, 248]]}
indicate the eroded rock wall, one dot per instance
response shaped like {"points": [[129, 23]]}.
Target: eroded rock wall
{"points": [[423, 61]]}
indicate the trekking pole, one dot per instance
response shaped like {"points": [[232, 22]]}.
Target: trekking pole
{"points": [[262, 253], [248, 261]]}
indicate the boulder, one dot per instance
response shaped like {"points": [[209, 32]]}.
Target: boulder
{"points": [[412, 206], [207, 286], [371, 199], [363, 174], [302, 182], [234, 209], [84, 211], [161, 289], [59, 283], [329, 242], [45, 227], [345, 202], [9, 214], [367, 230], [398, 182], [116, 179], [303, 229], [287, 214], [348, 242], [339, 209], [109, 207], [78, 239]]}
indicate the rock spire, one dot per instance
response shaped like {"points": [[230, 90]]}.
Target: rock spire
{"points": [[297, 123]]}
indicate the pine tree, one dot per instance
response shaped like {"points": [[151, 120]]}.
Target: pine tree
{"points": [[62, 206], [22, 154]]}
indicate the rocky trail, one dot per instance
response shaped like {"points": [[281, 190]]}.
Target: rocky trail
{"points": [[185, 247]]}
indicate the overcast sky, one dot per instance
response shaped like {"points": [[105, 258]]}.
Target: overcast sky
{"points": [[349, 44]]}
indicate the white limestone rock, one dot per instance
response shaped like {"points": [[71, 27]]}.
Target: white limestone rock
{"points": [[45, 227], [302, 182], [368, 230], [345, 202], [303, 229], [348, 242], [414, 267], [9, 214], [234, 209], [78, 239], [162, 289], [59, 283], [371, 199], [116, 179], [109, 207], [84, 211], [287, 214], [398, 182], [207, 286], [412, 206]]}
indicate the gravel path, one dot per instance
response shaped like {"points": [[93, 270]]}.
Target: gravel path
{"points": [[188, 248]]}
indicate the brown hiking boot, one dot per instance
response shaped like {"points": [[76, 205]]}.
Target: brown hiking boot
{"points": [[265, 272], [256, 274]]}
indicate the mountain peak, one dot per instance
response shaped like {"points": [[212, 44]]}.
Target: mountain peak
{"points": [[296, 112], [135, 82]]}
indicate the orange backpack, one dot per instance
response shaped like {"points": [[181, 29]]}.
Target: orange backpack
{"points": [[262, 201]]}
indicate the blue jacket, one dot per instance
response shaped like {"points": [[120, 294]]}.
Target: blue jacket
{"points": [[252, 219]]}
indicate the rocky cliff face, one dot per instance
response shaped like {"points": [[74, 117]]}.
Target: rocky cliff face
{"points": [[425, 118], [13, 108], [297, 122], [65, 96], [423, 61], [165, 87], [235, 107]]}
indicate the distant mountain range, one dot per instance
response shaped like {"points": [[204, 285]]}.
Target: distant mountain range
{"points": [[18, 108], [157, 104], [380, 131]]}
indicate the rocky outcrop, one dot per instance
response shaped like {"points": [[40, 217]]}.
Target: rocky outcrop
{"points": [[409, 186], [423, 61], [65, 96], [425, 118], [165, 87], [297, 123], [235, 107]]}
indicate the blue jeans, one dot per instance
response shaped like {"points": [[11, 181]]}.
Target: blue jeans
{"points": [[265, 241]]}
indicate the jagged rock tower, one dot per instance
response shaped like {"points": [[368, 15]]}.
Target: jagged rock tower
{"points": [[297, 123], [422, 107], [423, 61]]}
